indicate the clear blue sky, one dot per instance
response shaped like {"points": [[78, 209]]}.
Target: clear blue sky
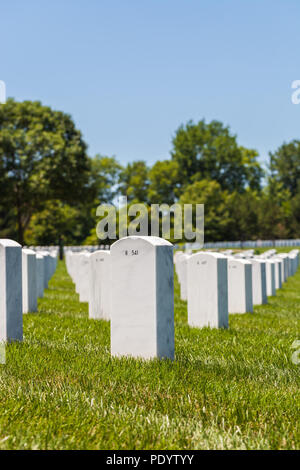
{"points": [[131, 71]]}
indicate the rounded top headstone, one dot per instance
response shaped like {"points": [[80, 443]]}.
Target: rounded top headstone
{"points": [[208, 254], [154, 241], [8, 242], [99, 253], [27, 251], [238, 261]]}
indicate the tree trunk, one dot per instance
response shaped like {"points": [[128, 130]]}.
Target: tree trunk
{"points": [[20, 225], [61, 248]]}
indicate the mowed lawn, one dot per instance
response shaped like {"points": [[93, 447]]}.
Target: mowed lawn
{"points": [[226, 389]]}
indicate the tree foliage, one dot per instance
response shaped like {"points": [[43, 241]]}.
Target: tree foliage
{"points": [[50, 187], [285, 165], [210, 152], [42, 157], [104, 177], [163, 182], [133, 181], [56, 223]]}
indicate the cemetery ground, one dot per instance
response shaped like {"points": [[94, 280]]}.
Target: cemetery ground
{"points": [[226, 389]]}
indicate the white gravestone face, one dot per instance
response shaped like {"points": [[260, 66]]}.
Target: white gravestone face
{"points": [[177, 257], [73, 265], [240, 256], [46, 270], [40, 275], [83, 277], [284, 256], [11, 316], [278, 272], [294, 263], [296, 260], [293, 258], [259, 286], [29, 281], [283, 271], [207, 290], [182, 275], [47, 262], [270, 277], [239, 286], [290, 267], [52, 264], [49, 266], [100, 285], [142, 300]]}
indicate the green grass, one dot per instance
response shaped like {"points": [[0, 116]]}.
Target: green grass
{"points": [[226, 389]]}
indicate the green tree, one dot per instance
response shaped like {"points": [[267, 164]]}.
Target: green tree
{"points": [[105, 174], [244, 215], [285, 165], [8, 227], [210, 151], [57, 223], [295, 215], [253, 171], [42, 157], [216, 210], [274, 211], [163, 182], [104, 179], [134, 182]]}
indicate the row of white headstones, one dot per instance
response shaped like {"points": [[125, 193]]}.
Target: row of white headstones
{"points": [[133, 287], [24, 274]]}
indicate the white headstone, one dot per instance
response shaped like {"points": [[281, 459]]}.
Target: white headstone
{"points": [[177, 257], [259, 286], [240, 299], [296, 259], [83, 276], [72, 266], [53, 262], [40, 275], [100, 285], [182, 275], [207, 290], [279, 266], [142, 309], [270, 277], [47, 267], [293, 259], [29, 281], [284, 256], [11, 317]]}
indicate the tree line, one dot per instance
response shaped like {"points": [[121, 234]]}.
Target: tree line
{"points": [[51, 187]]}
